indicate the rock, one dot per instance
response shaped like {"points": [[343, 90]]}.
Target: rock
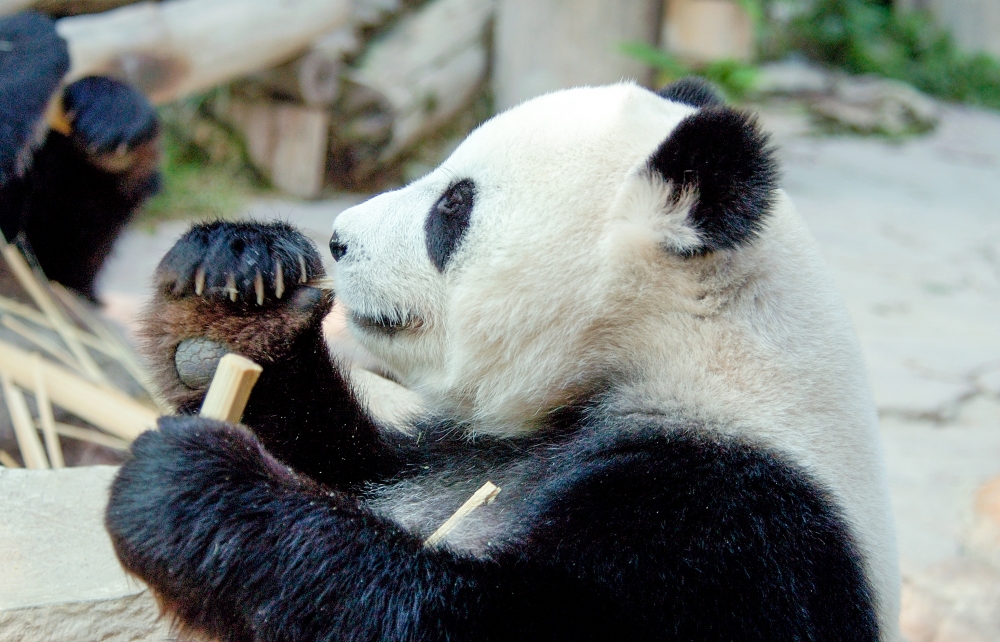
{"points": [[702, 31], [958, 601], [873, 105], [990, 382], [983, 539], [61, 579], [793, 76]]}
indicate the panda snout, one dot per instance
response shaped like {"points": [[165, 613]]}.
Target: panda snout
{"points": [[337, 248]]}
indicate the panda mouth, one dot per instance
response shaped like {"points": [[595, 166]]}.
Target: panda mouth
{"points": [[384, 324]]}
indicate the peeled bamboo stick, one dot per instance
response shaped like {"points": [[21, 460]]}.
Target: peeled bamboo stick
{"points": [[486, 494], [230, 389], [29, 313], [106, 408], [92, 436], [45, 415], [6, 459], [24, 426], [33, 286]]}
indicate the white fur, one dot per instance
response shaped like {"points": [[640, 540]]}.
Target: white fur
{"points": [[565, 278]]}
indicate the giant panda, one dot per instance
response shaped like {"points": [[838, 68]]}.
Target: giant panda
{"points": [[611, 311]]}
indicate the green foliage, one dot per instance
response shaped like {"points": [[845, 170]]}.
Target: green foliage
{"points": [[862, 36], [734, 78], [205, 169]]}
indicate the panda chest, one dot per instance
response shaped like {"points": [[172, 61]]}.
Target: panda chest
{"points": [[422, 504]]}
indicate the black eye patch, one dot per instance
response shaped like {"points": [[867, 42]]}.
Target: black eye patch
{"points": [[447, 222]]}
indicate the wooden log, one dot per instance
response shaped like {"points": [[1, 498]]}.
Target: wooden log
{"points": [[701, 31], [544, 45], [230, 388], [76, 7], [177, 47], [416, 77], [287, 142], [108, 409], [10, 6], [313, 79]]}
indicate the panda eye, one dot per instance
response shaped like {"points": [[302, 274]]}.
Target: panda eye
{"points": [[447, 222]]}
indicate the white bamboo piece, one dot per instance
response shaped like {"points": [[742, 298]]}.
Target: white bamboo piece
{"points": [[486, 494], [107, 408], [6, 459], [31, 314], [33, 286], [230, 389], [177, 47], [24, 427], [428, 67], [46, 418], [47, 345]]}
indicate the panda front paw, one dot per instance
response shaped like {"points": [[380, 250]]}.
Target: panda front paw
{"points": [[172, 498], [108, 116], [244, 263], [243, 287]]}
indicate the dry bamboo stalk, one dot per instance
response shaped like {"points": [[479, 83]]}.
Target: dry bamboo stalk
{"points": [[230, 389], [486, 494], [45, 415], [92, 436], [33, 286], [7, 460], [24, 426], [108, 409], [46, 344], [113, 346], [29, 313]]}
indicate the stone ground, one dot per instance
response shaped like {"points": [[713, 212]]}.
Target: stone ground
{"points": [[911, 230]]}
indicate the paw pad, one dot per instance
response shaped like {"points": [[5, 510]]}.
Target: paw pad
{"points": [[196, 361]]}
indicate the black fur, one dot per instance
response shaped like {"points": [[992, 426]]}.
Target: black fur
{"points": [[692, 91], [447, 222], [223, 250], [632, 529], [33, 61], [78, 192], [723, 157]]}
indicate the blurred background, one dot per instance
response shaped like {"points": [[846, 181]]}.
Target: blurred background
{"points": [[886, 116]]}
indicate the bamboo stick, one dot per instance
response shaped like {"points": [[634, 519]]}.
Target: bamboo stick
{"points": [[45, 415], [24, 426], [33, 286], [29, 313], [106, 408], [6, 459], [486, 494], [230, 389], [92, 436]]}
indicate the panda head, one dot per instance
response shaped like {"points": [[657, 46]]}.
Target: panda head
{"points": [[527, 270]]}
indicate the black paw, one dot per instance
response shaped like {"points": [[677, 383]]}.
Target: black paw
{"points": [[108, 116], [178, 486], [249, 263]]}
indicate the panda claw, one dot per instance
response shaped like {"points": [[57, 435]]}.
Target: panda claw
{"points": [[302, 270], [231, 287], [199, 282], [279, 280], [258, 285]]}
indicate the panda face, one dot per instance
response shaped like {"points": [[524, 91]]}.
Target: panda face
{"points": [[510, 280]]}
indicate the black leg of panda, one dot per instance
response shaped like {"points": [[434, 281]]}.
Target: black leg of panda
{"points": [[251, 288], [81, 190], [629, 533]]}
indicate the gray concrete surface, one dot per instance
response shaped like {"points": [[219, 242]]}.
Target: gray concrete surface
{"points": [[912, 233]]}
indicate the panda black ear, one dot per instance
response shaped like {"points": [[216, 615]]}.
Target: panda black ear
{"points": [[692, 91], [721, 159]]}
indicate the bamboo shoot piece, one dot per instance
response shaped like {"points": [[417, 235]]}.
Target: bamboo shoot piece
{"points": [[230, 389], [174, 48], [45, 415], [486, 494], [24, 426]]}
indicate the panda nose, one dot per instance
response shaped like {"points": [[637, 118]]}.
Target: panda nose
{"points": [[337, 248]]}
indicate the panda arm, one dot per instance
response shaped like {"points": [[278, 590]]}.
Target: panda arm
{"points": [[252, 288], [650, 538], [81, 189]]}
